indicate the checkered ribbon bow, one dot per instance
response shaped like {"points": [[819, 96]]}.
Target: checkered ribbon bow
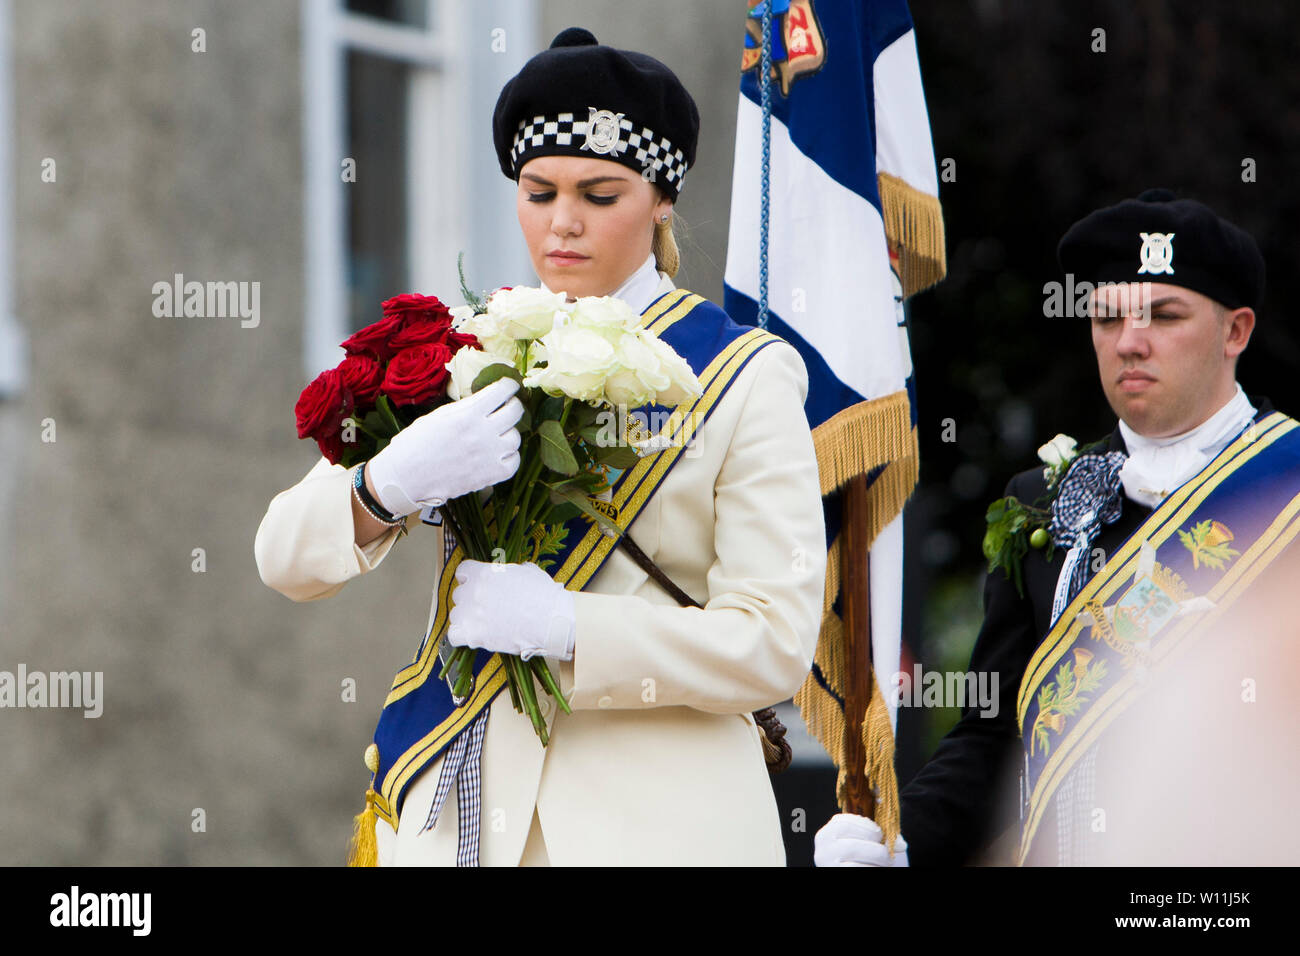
{"points": [[1090, 495], [461, 767]]}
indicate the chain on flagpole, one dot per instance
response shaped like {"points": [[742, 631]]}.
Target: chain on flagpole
{"points": [[765, 95]]}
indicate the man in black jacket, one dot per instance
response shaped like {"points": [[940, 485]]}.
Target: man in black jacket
{"points": [[1174, 307]]}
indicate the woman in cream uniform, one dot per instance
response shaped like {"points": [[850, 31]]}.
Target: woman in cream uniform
{"points": [[660, 761]]}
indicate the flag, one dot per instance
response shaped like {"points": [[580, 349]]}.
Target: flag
{"points": [[852, 182]]}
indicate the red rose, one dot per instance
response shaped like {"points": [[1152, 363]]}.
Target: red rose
{"points": [[331, 447], [417, 375], [373, 339], [421, 331], [457, 340], [413, 307], [320, 411], [362, 376]]}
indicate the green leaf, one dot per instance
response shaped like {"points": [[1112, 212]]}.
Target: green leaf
{"points": [[389, 416], [582, 415], [551, 409], [579, 500], [493, 372], [471, 298], [556, 453], [565, 511], [621, 457]]}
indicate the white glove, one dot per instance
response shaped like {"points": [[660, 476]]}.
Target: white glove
{"points": [[453, 450], [851, 840], [511, 609]]}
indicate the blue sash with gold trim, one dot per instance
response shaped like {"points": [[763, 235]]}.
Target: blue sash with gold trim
{"points": [[1166, 586], [420, 719]]}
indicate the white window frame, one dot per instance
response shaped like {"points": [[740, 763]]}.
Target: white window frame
{"points": [[458, 198], [13, 337]]}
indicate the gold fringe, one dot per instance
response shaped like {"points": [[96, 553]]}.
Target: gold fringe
{"points": [[858, 440], [866, 436], [363, 850], [878, 741], [913, 226]]}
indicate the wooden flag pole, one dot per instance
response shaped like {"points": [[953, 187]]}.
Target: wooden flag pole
{"points": [[855, 591]]}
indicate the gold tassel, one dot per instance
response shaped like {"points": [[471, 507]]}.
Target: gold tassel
{"points": [[363, 849], [914, 226]]}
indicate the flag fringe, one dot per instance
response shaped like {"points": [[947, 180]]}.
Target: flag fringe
{"points": [[860, 439], [914, 223], [857, 441]]}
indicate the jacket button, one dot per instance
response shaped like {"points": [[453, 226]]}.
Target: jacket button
{"points": [[605, 701]]}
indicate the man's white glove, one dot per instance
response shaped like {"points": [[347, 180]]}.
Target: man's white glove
{"points": [[511, 609], [851, 840], [457, 448]]}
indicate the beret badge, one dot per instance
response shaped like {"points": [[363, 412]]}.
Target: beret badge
{"points": [[1157, 253], [602, 130]]}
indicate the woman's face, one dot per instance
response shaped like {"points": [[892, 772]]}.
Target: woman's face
{"points": [[588, 222]]}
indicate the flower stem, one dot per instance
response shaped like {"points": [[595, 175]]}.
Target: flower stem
{"points": [[529, 694], [544, 675]]}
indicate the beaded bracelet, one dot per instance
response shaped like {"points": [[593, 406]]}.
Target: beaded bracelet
{"points": [[373, 507]]}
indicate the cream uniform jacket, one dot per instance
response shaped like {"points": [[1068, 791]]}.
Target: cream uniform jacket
{"points": [[660, 762]]}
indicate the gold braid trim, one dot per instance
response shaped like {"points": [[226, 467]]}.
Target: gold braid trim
{"points": [[914, 225]]}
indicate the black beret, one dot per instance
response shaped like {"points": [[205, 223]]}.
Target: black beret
{"points": [[580, 98], [1158, 238]]}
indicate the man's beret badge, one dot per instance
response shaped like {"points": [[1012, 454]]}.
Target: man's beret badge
{"points": [[1157, 253]]}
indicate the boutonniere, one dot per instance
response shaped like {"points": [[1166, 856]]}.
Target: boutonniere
{"points": [[1014, 527]]}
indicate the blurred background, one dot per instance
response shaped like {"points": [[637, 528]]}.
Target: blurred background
{"points": [[338, 152]]}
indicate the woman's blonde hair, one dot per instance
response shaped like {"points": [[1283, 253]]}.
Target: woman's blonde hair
{"points": [[664, 245]]}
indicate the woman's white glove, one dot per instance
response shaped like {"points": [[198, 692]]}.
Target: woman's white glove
{"points": [[453, 450], [511, 609], [851, 840]]}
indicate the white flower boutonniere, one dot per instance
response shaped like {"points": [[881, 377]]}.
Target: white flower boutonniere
{"points": [[1057, 455]]}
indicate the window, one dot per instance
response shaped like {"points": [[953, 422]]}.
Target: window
{"points": [[399, 170], [13, 339]]}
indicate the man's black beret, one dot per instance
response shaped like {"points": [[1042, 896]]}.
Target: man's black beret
{"points": [[581, 98], [1158, 238]]}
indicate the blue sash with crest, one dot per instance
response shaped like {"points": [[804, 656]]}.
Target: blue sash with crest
{"points": [[1169, 584], [420, 719]]}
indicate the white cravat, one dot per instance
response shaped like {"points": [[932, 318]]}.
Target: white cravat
{"points": [[638, 289], [1157, 466]]}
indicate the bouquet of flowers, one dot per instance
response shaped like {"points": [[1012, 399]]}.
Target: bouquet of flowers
{"points": [[576, 362]]}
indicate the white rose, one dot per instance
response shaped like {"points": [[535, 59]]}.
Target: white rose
{"points": [[460, 314], [641, 375], [683, 385], [487, 329], [525, 312], [465, 366], [577, 363], [609, 316], [1058, 451]]}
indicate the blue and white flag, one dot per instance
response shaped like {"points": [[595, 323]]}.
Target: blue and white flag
{"points": [[852, 179]]}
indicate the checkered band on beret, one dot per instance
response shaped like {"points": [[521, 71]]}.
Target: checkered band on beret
{"points": [[604, 135]]}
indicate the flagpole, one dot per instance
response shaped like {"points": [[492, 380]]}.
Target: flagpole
{"points": [[855, 591], [855, 573]]}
